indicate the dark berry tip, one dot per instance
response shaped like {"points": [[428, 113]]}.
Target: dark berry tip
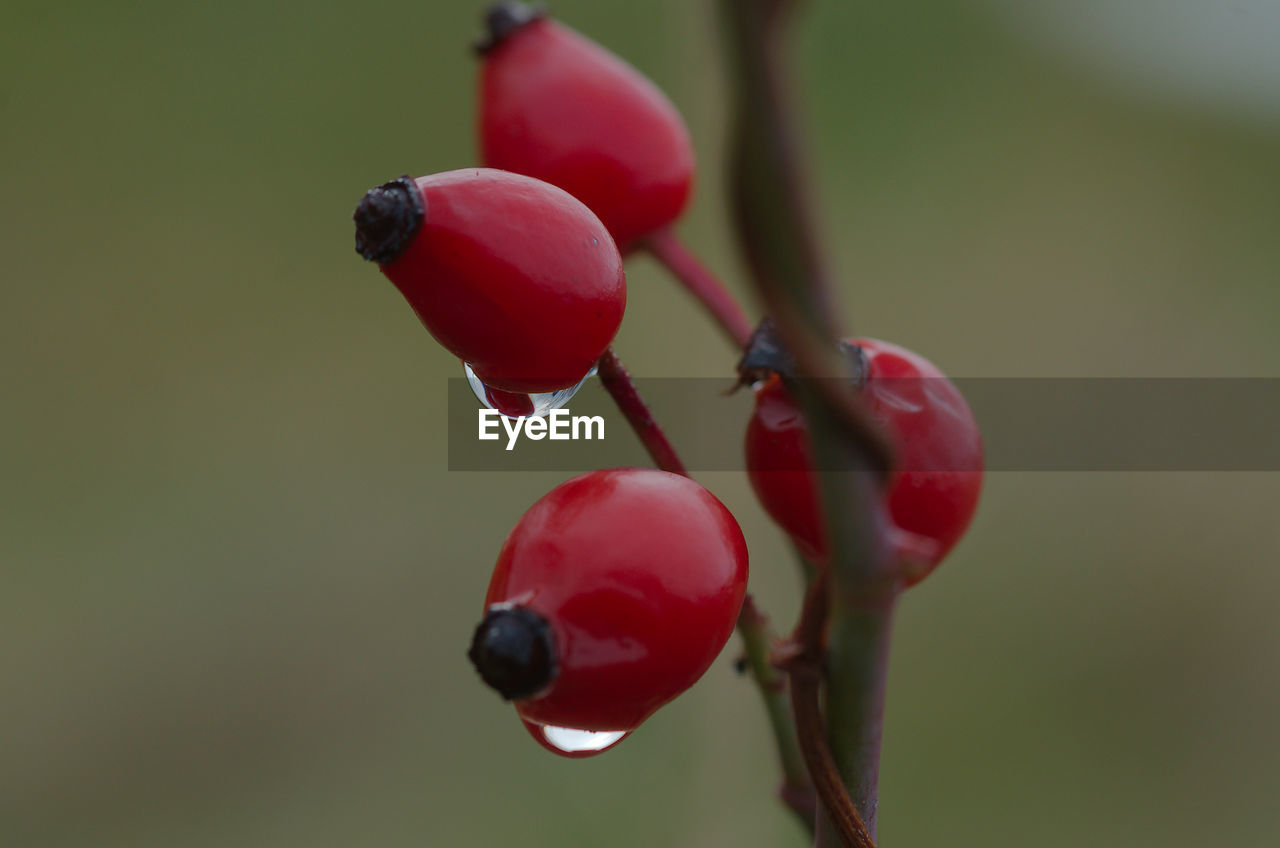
{"points": [[503, 20], [387, 220], [514, 651], [765, 355]]}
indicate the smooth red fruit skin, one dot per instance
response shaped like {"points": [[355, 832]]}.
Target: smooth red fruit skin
{"points": [[513, 276], [559, 107], [934, 431], [640, 574]]}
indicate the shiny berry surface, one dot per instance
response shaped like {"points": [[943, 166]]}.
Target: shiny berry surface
{"points": [[512, 275], [639, 575], [939, 450], [557, 106]]}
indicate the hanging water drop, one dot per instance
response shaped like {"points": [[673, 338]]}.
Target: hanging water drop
{"points": [[580, 741], [518, 404], [568, 742]]}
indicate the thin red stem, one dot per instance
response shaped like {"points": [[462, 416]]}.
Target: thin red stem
{"points": [[618, 383], [699, 281]]}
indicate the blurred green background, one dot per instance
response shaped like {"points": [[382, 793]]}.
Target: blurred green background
{"points": [[238, 580]]}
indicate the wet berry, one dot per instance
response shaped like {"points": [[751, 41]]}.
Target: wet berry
{"points": [[612, 595], [512, 275]]}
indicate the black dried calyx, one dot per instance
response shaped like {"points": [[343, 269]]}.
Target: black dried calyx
{"points": [[766, 355], [502, 20]]}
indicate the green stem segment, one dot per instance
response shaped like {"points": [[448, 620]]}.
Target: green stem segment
{"points": [[859, 648], [840, 824], [796, 790], [864, 586], [802, 657]]}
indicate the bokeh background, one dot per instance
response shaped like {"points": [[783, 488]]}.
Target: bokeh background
{"points": [[238, 579]]}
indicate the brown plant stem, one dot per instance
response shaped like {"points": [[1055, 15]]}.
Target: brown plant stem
{"points": [[699, 281]]}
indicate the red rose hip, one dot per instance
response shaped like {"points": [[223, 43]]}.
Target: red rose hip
{"points": [[612, 595], [512, 275], [559, 107], [939, 451]]}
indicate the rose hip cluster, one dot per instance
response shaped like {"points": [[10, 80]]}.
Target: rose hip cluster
{"points": [[618, 589]]}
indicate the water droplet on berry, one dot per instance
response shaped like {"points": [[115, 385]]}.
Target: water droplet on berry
{"points": [[577, 741], [568, 742], [518, 404]]}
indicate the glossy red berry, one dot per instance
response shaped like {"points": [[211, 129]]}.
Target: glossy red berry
{"points": [[559, 107], [612, 595], [939, 451], [512, 275]]}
